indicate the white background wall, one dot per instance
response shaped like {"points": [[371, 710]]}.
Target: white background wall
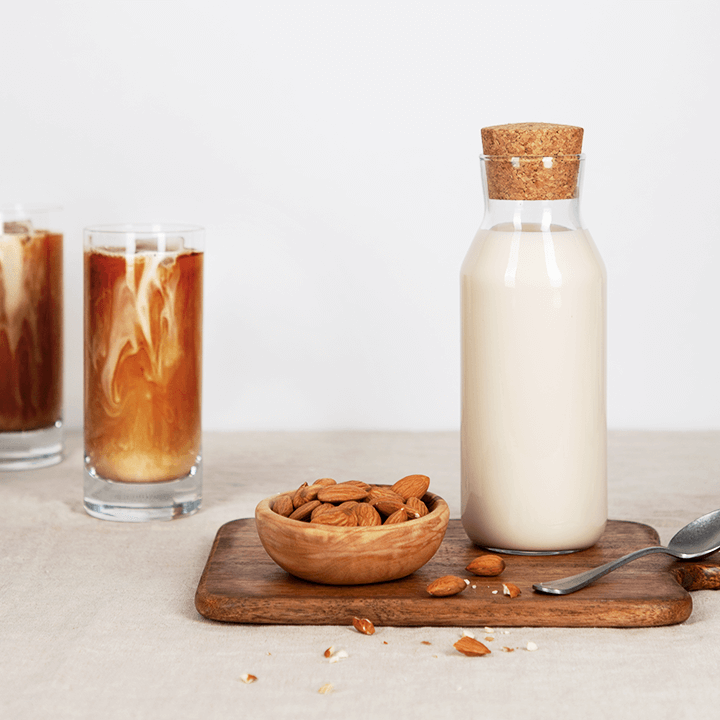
{"points": [[330, 148]]}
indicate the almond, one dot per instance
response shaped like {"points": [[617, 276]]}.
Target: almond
{"points": [[411, 514], [470, 646], [297, 496], [378, 491], [446, 586], [412, 486], [357, 483], [283, 505], [348, 506], [397, 517], [363, 625], [511, 589], [305, 510], [387, 506], [341, 492], [418, 506], [323, 507], [366, 515], [486, 565], [325, 481], [247, 678], [335, 517]]}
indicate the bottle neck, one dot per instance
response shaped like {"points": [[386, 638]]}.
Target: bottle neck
{"points": [[532, 215], [528, 192]]}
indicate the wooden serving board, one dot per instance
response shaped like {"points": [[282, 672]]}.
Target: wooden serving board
{"points": [[242, 584]]}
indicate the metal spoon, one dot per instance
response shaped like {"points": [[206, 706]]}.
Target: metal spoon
{"points": [[698, 539]]}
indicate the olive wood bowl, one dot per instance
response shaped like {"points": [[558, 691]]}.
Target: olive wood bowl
{"points": [[334, 555]]}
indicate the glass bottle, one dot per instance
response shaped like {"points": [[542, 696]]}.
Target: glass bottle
{"points": [[533, 433]]}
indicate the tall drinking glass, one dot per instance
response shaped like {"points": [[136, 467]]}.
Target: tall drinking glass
{"points": [[31, 342], [143, 367]]}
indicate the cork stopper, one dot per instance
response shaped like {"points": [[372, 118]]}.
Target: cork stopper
{"points": [[532, 161]]}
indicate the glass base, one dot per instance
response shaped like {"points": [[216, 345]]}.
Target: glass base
{"points": [[532, 552], [140, 502], [31, 449]]}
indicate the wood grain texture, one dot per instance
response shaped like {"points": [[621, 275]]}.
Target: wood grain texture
{"points": [[242, 584]]}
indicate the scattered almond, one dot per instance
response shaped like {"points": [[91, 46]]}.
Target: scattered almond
{"points": [[363, 625], [326, 689], [446, 586], [329, 651], [507, 649], [511, 589], [531, 646], [247, 678], [470, 646], [486, 565], [412, 486], [425, 642]]}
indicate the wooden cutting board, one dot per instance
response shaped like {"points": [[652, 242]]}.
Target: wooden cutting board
{"points": [[242, 584]]}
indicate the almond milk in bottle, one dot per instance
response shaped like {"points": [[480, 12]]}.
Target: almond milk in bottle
{"points": [[534, 476]]}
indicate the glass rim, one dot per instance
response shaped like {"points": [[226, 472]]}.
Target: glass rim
{"points": [[142, 228], [562, 156]]}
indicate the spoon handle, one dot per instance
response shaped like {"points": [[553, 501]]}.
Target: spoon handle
{"points": [[568, 585]]}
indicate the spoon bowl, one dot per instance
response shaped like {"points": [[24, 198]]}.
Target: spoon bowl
{"points": [[697, 539]]}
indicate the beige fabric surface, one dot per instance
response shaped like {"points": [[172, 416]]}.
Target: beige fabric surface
{"points": [[97, 618]]}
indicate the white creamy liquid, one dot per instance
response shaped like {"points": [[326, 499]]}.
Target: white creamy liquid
{"points": [[534, 474]]}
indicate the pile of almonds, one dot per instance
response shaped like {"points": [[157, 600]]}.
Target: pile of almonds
{"points": [[355, 503]]}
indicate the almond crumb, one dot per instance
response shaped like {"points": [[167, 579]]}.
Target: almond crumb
{"points": [[531, 646], [468, 633], [247, 678], [489, 638], [494, 592], [489, 630], [425, 642], [329, 651], [511, 590], [338, 656], [326, 689], [507, 649]]}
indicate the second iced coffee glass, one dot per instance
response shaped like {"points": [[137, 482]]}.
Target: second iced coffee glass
{"points": [[143, 367]]}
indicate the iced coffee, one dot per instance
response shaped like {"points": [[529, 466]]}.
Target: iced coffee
{"points": [[31, 327], [143, 362]]}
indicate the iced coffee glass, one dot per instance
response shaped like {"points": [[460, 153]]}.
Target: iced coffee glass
{"points": [[143, 364], [31, 343]]}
